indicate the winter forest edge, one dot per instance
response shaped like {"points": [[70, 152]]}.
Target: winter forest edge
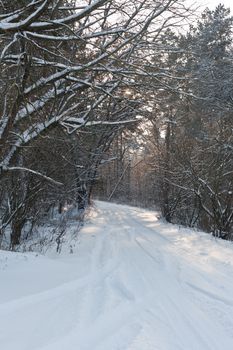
{"points": [[115, 100]]}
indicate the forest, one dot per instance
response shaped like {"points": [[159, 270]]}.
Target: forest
{"points": [[122, 101]]}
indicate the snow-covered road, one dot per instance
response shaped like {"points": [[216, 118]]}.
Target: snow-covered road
{"points": [[132, 283]]}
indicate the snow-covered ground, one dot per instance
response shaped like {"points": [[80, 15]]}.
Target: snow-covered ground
{"points": [[132, 283]]}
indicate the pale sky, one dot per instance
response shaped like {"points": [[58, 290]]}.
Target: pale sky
{"points": [[212, 4]]}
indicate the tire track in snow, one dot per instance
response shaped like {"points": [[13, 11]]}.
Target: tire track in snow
{"points": [[194, 331], [134, 296]]}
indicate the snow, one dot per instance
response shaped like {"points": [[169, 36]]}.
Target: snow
{"points": [[133, 282], [4, 25], [72, 18]]}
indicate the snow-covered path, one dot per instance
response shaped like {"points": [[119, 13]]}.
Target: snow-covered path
{"points": [[132, 283]]}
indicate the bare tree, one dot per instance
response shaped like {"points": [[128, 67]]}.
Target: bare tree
{"points": [[68, 65]]}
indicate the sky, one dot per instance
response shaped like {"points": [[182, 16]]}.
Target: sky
{"points": [[213, 3]]}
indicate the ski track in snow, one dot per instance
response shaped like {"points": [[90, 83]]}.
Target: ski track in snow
{"points": [[132, 283]]}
